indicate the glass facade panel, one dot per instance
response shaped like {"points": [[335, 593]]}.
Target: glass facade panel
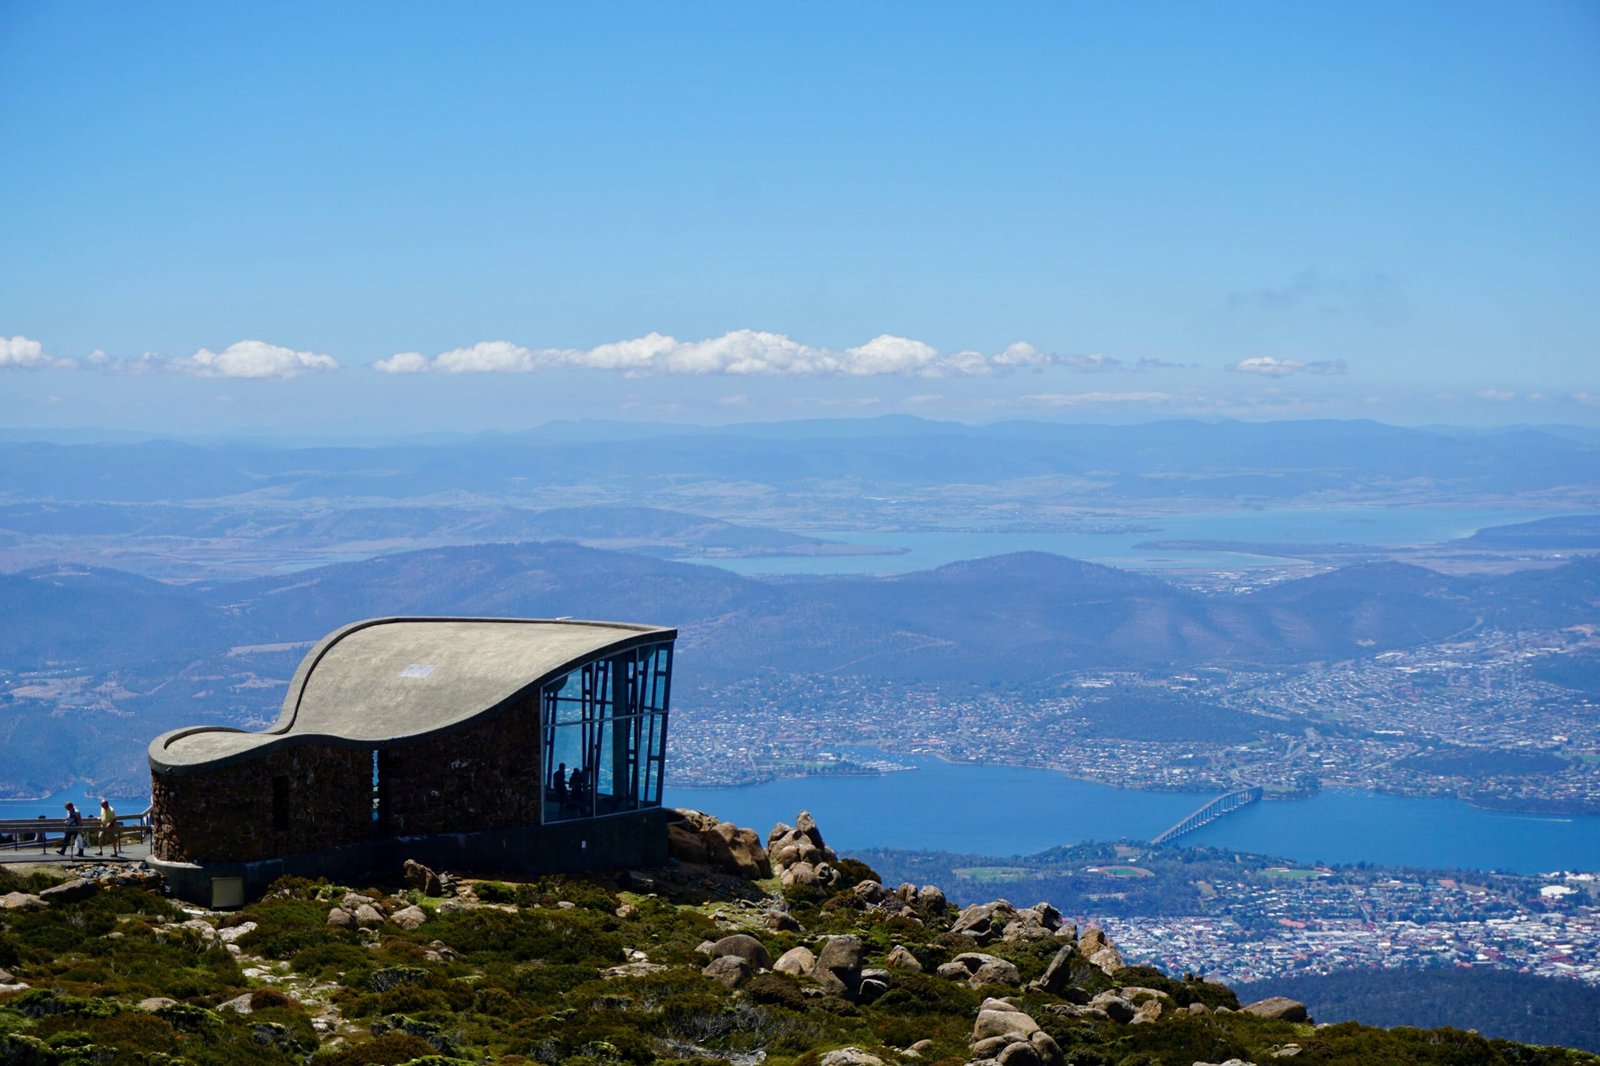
{"points": [[605, 732]]}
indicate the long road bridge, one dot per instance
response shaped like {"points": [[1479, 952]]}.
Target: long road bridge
{"points": [[1210, 812]]}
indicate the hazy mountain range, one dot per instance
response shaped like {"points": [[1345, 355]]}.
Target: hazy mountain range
{"points": [[146, 655], [1185, 458]]}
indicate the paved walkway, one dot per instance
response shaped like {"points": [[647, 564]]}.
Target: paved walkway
{"points": [[33, 854]]}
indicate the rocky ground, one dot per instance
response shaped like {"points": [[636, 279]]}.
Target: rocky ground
{"points": [[739, 951]]}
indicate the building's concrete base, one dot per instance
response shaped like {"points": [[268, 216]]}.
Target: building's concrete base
{"points": [[638, 838]]}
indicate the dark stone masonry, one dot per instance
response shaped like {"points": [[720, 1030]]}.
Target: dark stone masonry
{"points": [[507, 745]]}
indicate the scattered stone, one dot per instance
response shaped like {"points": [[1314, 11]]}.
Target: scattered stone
{"points": [[1278, 1008], [234, 932], [155, 1003], [634, 969], [21, 901], [797, 962], [340, 918], [410, 917], [273, 1035], [901, 958], [977, 969], [780, 921], [930, 898], [874, 983], [368, 917], [238, 1004], [744, 946], [1199, 1008], [1116, 1007], [1287, 1051], [422, 878], [729, 970], [850, 1056], [1146, 1012], [198, 926], [626, 911]]}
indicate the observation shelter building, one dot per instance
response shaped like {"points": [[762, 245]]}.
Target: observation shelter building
{"points": [[507, 745]]}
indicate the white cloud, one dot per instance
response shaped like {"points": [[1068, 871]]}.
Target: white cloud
{"points": [[741, 352], [1273, 367], [403, 363], [252, 359], [255, 360], [1496, 395], [23, 354]]}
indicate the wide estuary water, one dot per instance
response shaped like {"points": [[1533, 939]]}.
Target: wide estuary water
{"points": [[1006, 810]]}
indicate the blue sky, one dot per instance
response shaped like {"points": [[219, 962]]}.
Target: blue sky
{"points": [[400, 217]]}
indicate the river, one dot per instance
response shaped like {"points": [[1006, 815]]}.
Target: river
{"points": [[1007, 810]]}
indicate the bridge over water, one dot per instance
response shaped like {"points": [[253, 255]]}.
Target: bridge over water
{"points": [[1209, 813]]}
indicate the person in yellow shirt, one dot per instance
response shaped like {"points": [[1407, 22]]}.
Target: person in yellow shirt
{"points": [[108, 829]]}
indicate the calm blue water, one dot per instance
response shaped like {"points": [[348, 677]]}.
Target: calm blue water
{"points": [[1380, 526], [999, 810], [88, 803]]}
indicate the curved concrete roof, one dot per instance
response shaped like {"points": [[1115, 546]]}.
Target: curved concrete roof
{"points": [[390, 678]]}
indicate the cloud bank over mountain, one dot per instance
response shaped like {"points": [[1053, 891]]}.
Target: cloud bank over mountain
{"points": [[742, 352]]}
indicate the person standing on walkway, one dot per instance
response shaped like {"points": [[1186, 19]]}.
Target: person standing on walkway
{"points": [[74, 833], [108, 829]]}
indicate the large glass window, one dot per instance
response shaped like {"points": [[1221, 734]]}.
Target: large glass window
{"points": [[605, 735]]}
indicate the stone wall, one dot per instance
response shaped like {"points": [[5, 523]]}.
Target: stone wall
{"points": [[484, 778], [225, 815]]}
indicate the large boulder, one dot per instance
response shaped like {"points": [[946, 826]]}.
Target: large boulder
{"points": [[1094, 946], [1278, 1008], [21, 901], [729, 970], [694, 836], [796, 962], [70, 891], [1038, 922], [838, 968], [1009, 1036], [984, 921], [1067, 970], [409, 917], [744, 946], [799, 845], [422, 878], [977, 969], [901, 958]]}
